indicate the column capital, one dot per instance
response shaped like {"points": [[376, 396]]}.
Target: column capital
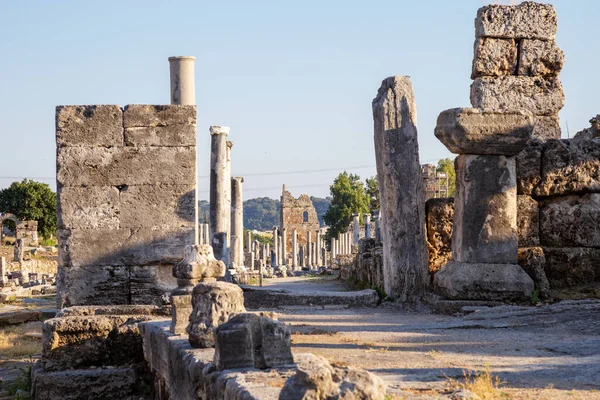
{"points": [[219, 130]]}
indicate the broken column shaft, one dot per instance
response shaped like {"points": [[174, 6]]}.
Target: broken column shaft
{"points": [[220, 185], [237, 222]]}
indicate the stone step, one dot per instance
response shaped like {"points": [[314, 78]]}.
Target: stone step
{"points": [[258, 297]]}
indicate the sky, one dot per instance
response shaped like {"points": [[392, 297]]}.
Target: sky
{"points": [[293, 79]]}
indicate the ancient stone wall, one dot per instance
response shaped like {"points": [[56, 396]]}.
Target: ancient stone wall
{"points": [[298, 214], [126, 182]]}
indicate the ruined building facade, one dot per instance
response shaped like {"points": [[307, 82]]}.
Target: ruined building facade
{"points": [[297, 214]]}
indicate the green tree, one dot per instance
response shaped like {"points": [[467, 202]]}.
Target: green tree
{"points": [[373, 193], [446, 165], [348, 196], [30, 200], [261, 213]]}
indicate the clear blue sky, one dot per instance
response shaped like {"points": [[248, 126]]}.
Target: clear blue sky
{"points": [[293, 79]]}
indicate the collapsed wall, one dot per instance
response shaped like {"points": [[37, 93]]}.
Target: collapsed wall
{"points": [[126, 183]]}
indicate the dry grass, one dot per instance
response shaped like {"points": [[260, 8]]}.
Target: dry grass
{"points": [[481, 383], [14, 343]]}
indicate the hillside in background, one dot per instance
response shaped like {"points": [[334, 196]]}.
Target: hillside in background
{"points": [[262, 213]]}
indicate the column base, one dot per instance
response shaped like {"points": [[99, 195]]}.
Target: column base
{"points": [[477, 281]]}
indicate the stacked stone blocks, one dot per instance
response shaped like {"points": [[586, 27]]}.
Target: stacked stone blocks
{"points": [[517, 63], [126, 181]]}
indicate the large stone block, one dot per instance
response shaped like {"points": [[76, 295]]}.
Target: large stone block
{"points": [[109, 207], [150, 284], [475, 281], [571, 266], [529, 167], [315, 378], [100, 285], [91, 341], [214, 303], [494, 57], [570, 221], [485, 210], [147, 115], [440, 214], [476, 131], [100, 125], [127, 246], [165, 136], [570, 166], [533, 262], [100, 166], [528, 221], [250, 340], [528, 20], [547, 127], [89, 384], [539, 95], [540, 58]]}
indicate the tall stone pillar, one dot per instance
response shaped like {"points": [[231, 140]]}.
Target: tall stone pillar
{"points": [[207, 234], [319, 242], [3, 270], [368, 226], [284, 257], [275, 259], [237, 222], [294, 250], [378, 227], [405, 259], [301, 255], [484, 235], [356, 228], [183, 88], [333, 248], [309, 252], [228, 195], [220, 186]]}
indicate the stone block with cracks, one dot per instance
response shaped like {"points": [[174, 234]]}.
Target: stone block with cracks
{"points": [[214, 303], [538, 95], [528, 20], [528, 221], [570, 221], [494, 57], [250, 340], [476, 131], [540, 58], [95, 125]]}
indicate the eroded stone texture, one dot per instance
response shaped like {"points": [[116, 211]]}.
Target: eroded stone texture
{"points": [[114, 166], [199, 263], [367, 266], [571, 266], [250, 340], [494, 57], [590, 133], [540, 58], [101, 285], [401, 190], [147, 115], [440, 215], [477, 281], [539, 95], [529, 167], [529, 20], [528, 221], [97, 125], [547, 127], [570, 221], [214, 304], [475, 131], [91, 341], [149, 284], [533, 262], [317, 379], [485, 210], [570, 166]]}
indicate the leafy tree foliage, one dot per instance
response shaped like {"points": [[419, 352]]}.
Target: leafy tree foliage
{"points": [[446, 166], [30, 200], [373, 193], [261, 213], [348, 196]]}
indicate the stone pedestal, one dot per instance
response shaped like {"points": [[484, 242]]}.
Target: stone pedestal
{"points": [[198, 264], [213, 304]]}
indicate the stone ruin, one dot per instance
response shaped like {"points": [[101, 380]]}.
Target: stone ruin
{"points": [[24, 230]]}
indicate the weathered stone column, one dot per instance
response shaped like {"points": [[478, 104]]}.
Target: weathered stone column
{"points": [[284, 257], [301, 255], [19, 251], [3, 270], [368, 226], [333, 248], [237, 222], [275, 258], [484, 235], [201, 234], [319, 242], [220, 185], [294, 250], [228, 199], [183, 88], [309, 251], [207, 234], [378, 226], [405, 259], [356, 228]]}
